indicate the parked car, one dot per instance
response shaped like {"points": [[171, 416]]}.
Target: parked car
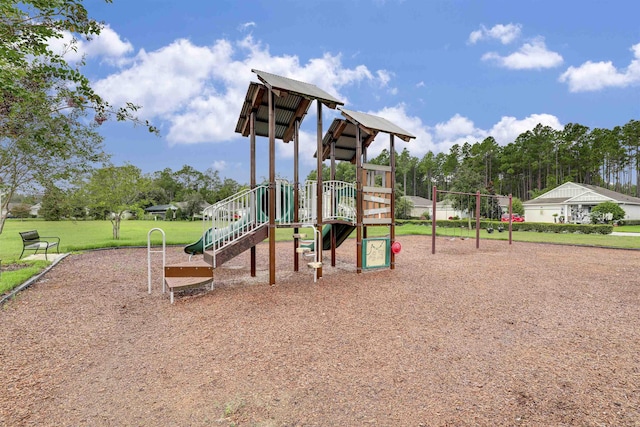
{"points": [[514, 218]]}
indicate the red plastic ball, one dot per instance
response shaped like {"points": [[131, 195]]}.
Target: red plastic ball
{"points": [[396, 247]]}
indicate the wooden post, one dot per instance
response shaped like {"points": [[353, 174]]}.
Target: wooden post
{"points": [[364, 160], [392, 226], [359, 201], [477, 219], [296, 193], [434, 194], [510, 217], [272, 189], [319, 182], [333, 202], [252, 129]]}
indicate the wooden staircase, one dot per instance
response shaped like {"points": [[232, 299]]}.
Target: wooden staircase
{"points": [[194, 274], [247, 241]]}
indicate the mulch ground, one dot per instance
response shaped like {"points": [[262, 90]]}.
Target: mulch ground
{"points": [[521, 335]]}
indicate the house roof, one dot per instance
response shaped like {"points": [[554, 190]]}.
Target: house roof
{"points": [[419, 201], [574, 194], [160, 208], [292, 101]]}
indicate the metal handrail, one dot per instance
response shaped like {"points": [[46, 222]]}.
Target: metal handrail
{"points": [[164, 256], [228, 220], [338, 201]]}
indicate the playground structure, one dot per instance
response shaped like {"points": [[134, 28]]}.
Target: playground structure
{"points": [[477, 198], [275, 108]]}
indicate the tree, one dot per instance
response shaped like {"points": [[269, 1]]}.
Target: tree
{"points": [[39, 148], [607, 212], [517, 206], [53, 205], [194, 206], [21, 210], [26, 29], [403, 208], [43, 99], [115, 190]]}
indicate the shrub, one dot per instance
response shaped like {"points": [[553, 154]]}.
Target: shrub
{"points": [[607, 212]]}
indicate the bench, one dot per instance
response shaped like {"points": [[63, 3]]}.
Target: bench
{"points": [[31, 240]]}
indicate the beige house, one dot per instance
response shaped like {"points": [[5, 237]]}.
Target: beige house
{"points": [[420, 206], [571, 202]]}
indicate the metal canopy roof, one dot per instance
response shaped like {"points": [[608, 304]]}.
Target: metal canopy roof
{"points": [[343, 133], [292, 101], [380, 124]]}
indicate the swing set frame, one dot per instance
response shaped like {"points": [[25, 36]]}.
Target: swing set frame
{"points": [[478, 197]]}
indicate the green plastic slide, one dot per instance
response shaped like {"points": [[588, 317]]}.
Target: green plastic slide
{"points": [[342, 232]]}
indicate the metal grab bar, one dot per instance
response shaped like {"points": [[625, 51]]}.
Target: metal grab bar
{"points": [[164, 256]]}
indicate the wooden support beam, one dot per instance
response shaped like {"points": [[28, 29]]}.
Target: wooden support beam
{"points": [[252, 128], [272, 189], [300, 112], [319, 181], [256, 102]]}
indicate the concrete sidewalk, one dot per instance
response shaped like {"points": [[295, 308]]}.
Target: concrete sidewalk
{"points": [[41, 257]]}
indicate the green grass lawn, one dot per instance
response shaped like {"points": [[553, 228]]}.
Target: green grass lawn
{"points": [[628, 228], [77, 236]]}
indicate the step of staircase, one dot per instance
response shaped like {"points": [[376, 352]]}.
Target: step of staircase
{"points": [[183, 276]]}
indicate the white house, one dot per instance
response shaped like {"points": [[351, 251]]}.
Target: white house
{"points": [[571, 202], [445, 210]]}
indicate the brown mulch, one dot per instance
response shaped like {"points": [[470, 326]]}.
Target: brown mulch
{"points": [[521, 335]]}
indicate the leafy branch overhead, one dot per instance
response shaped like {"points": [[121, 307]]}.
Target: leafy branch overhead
{"points": [[27, 61]]}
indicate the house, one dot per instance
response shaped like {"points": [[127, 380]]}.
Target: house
{"points": [[161, 211], [420, 206], [572, 202], [196, 215], [34, 211], [445, 210]]}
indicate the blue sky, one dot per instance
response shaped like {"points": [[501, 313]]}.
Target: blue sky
{"points": [[446, 71]]}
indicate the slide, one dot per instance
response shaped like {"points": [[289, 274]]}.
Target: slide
{"points": [[215, 235], [197, 248], [342, 232]]}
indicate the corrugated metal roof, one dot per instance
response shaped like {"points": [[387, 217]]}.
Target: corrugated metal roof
{"points": [[292, 101], [377, 123], [288, 108], [343, 132], [305, 90]]}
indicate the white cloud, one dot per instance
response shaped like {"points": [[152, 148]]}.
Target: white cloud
{"points": [[533, 55], [219, 165], [457, 130], [246, 26], [195, 91], [455, 127], [384, 77], [414, 125], [420, 84], [593, 76], [509, 128], [505, 33], [107, 46]]}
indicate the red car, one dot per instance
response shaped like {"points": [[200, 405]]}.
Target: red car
{"points": [[514, 218]]}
